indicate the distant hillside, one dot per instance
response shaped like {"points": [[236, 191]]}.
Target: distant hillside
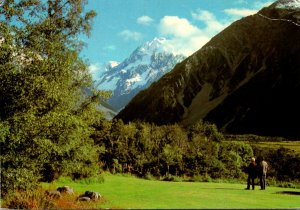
{"points": [[245, 80]]}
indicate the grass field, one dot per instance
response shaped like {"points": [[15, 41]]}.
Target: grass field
{"points": [[292, 145], [265, 141], [120, 191]]}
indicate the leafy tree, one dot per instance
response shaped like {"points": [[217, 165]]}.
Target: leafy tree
{"points": [[46, 116], [206, 130], [174, 148], [235, 156], [144, 147]]}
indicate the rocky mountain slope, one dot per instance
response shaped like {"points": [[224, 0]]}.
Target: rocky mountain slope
{"points": [[145, 65], [245, 80]]}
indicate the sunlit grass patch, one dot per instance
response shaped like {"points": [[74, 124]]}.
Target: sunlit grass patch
{"points": [[130, 192]]}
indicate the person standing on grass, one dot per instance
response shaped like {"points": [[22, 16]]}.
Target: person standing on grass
{"points": [[252, 173], [262, 172]]}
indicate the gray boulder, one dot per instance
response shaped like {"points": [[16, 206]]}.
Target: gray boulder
{"points": [[53, 194], [92, 195], [84, 198], [65, 189]]}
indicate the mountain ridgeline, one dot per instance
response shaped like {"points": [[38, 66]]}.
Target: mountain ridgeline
{"points": [[246, 79]]}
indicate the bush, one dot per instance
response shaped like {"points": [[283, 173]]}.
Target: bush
{"points": [[287, 185], [31, 199], [200, 178], [149, 176], [283, 163], [91, 180], [235, 156], [171, 178], [17, 179], [206, 178], [37, 199]]}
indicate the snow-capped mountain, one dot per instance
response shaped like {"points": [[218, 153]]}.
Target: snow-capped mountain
{"points": [[145, 65], [97, 70], [288, 4]]}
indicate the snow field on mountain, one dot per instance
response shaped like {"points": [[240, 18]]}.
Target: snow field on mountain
{"points": [[292, 4]]}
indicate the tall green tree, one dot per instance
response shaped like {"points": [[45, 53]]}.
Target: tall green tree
{"points": [[47, 114]]}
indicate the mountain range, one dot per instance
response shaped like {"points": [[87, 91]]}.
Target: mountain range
{"points": [[145, 65], [246, 79]]}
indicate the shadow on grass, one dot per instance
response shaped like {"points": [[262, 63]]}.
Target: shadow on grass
{"points": [[228, 188], [222, 188], [289, 192]]}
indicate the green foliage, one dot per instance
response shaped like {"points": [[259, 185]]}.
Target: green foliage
{"points": [[152, 151], [171, 151], [200, 178], [171, 178], [90, 180], [18, 178], [149, 176], [283, 163], [287, 185], [46, 117], [207, 130], [235, 156]]}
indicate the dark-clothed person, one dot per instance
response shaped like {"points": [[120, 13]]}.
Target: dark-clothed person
{"points": [[252, 173]]}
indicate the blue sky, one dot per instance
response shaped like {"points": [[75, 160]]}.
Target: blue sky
{"points": [[123, 25]]}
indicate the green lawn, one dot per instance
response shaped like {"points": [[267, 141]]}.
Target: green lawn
{"points": [[129, 192]]}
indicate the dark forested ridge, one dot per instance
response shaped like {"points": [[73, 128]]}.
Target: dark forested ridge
{"points": [[245, 80]]}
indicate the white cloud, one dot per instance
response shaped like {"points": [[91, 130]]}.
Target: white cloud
{"points": [[186, 38], [240, 12], [130, 35], [254, 7], [96, 70], [94, 67], [177, 27], [213, 26], [191, 45], [144, 20]]}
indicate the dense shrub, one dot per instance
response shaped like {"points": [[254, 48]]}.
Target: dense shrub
{"points": [[283, 163], [172, 151], [199, 151], [37, 199], [30, 199], [235, 156]]}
